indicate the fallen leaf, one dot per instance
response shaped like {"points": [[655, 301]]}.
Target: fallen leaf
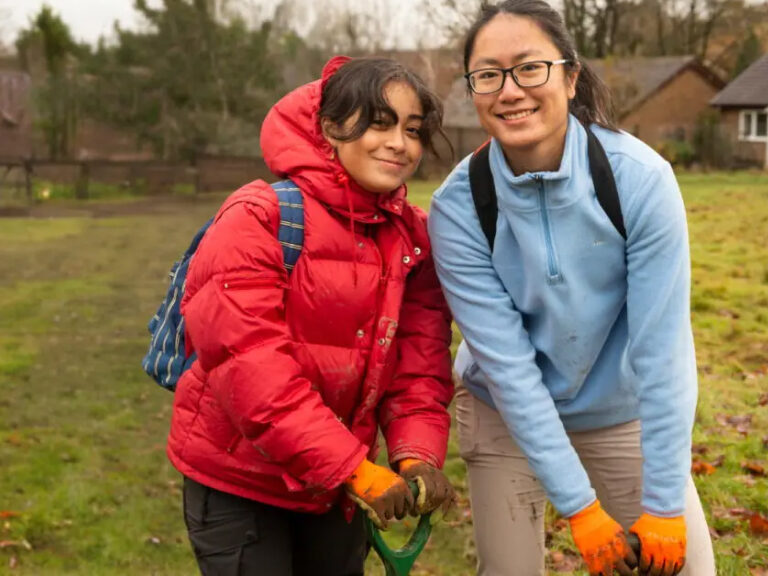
{"points": [[717, 462], [564, 561], [753, 468], [9, 514], [749, 481], [740, 512], [14, 439], [13, 562], [758, 571], [699, 449], [702, 468], [740, 423], [763, 400], [758, 524]]}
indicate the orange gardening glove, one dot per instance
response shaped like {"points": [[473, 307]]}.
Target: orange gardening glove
{"points": [[381, 493], [662, 544], [435, 490], [601, 541]]}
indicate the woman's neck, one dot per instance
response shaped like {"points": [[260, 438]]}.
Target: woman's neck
{"points": [[544, 156]]}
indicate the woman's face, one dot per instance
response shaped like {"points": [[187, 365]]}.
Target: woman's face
{"points": [[389, 152], [525, 121]]}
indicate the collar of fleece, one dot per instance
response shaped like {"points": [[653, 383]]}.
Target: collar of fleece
{"points": [[294, 147]]}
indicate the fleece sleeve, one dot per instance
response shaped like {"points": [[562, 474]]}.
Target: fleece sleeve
{"points": [[494, 332], [661, 351]]}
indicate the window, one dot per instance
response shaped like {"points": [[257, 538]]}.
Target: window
{"points": [[753, 125]]}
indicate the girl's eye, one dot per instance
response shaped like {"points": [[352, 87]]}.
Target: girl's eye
{"points": [[414, 131]]}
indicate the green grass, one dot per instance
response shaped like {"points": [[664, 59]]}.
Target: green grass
{"points": [[82, 429]]}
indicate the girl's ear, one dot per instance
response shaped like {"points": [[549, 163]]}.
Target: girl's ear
{"points": [[327, 127]]}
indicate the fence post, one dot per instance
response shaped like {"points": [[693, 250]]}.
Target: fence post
{"points": [[26, 163], [84, 176]]}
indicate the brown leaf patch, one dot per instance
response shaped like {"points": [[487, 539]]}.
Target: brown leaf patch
{"points": [[702, 468], [754, 468], [565, 561], [758, 524]]}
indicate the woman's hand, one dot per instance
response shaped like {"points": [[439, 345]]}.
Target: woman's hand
{"points": [[435, 491], [662, 544], [602, 543]]}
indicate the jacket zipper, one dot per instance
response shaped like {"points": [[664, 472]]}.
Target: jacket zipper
{"points": [[553, 272]]}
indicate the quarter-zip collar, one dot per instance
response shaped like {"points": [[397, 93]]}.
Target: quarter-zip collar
{"points": [[520, 192]]}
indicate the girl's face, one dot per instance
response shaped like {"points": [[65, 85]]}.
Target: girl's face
{"points": [[529, 123], [389, 152]]}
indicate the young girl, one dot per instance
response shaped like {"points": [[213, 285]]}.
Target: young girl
{"points": [[277, 419], [578, 365]]}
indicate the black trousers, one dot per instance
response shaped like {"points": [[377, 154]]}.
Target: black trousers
{"points": [[233, 536]]}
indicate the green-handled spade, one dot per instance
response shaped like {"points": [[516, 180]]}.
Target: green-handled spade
{"points": [[400, 561]]}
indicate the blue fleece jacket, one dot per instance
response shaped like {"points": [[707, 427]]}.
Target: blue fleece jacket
{"points": [[566, 325]]}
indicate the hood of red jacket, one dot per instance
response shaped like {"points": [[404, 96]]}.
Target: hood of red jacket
{"points": [[293, 147]]}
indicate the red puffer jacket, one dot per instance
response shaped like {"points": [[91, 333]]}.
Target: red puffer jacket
{"points": [[295, 374]]}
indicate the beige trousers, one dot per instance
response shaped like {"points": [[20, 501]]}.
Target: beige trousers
{"points": [[508, 502]]}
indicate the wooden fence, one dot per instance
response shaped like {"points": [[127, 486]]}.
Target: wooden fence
{"points": [[205, 174]]}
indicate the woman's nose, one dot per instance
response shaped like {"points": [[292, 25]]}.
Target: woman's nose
{"points": [[510, 89]]}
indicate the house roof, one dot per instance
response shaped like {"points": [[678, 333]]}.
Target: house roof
{"points": [[631, 81], [750, 88]]}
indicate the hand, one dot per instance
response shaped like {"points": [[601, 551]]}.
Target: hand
{"points": [[381, 493], [435, 491], [662, 544], [601, 541]]}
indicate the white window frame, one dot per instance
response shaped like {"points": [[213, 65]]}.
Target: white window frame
{"points": [[748, 126]]}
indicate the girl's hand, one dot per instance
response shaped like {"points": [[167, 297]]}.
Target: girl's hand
{"points": [[435, 491]]}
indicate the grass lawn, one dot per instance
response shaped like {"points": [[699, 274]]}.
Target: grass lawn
{"points": [[85, 487]]}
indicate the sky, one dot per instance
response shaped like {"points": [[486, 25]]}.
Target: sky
{"points": [[88, 19]]}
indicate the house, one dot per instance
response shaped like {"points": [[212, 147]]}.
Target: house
{"points": [[743, 106], [661, 98], [656, 99], [15, 121]]}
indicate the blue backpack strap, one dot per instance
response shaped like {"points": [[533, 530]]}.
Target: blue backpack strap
{"points": [[291, 231]]}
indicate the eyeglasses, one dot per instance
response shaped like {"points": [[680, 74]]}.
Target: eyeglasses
{"points": [[525, 75]]}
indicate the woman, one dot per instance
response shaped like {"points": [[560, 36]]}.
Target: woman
{"points": [[277, 419], [578, 365]]}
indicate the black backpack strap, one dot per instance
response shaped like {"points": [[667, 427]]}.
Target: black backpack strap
{"points": [[604, 182], [484, 191]]}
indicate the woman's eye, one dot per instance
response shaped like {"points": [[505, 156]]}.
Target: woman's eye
{"points": [[488, 75], [532, 67]]}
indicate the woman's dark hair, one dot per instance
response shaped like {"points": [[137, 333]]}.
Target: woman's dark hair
{"points": [[359, 85], [592, 103]]}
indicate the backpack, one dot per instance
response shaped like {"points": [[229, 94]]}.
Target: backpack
{"points": [[166, 359], [484, 190]]}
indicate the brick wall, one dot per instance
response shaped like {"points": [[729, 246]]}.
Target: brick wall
{"points": [[671, 113], [750, 153]]}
